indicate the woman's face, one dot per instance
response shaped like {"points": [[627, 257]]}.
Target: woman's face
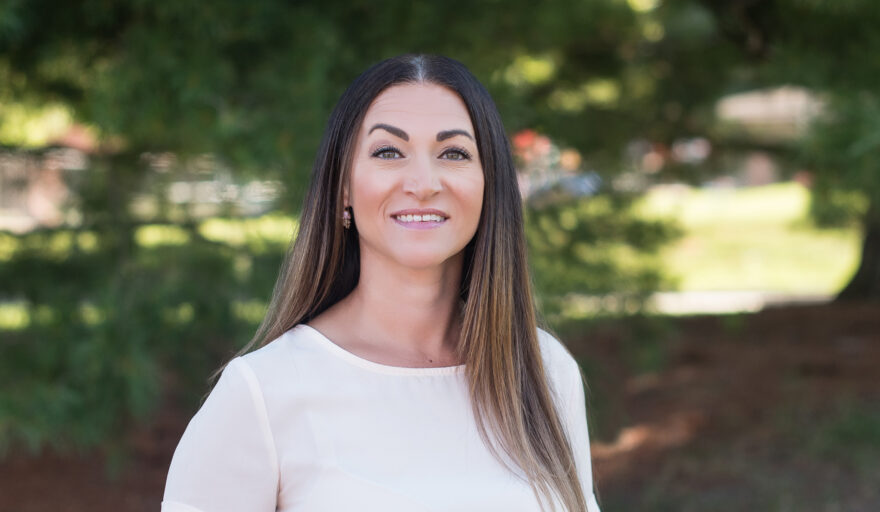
{"points": [[416, 183]]}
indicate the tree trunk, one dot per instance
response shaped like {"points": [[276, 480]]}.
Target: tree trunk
{"points": [[865, 283]]}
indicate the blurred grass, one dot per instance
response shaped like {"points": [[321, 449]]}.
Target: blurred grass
{"points": [[757, 238]]}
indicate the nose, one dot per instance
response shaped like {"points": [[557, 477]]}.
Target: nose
{"points": [[423, 180]]}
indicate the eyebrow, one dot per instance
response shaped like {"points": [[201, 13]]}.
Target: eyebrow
{"points": [[391, 129], [441, 136], [452, 133]]}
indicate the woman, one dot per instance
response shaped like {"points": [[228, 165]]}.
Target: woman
{"points": [[400, 367]]}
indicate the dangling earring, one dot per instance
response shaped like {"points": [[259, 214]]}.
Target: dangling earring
{"points": [[346, 217]]}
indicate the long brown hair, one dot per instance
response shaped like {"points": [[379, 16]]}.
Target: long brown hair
{"points": [[498, 340]]}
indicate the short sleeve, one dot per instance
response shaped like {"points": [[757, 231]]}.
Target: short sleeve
{"points": [[226, 459], [576, 417]]}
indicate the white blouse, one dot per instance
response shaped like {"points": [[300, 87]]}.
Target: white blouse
{"points": [[302, 424]]}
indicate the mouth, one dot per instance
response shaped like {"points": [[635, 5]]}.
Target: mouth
{"points": [[420, 219]]}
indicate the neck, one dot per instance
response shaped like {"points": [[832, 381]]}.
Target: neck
{"points": [[416, 310]]}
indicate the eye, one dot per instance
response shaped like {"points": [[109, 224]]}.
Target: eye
{"points": [[387, 153], [457, 154]]}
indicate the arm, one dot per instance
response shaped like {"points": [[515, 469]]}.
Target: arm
{"points": [[576, 416], [226, 459]]}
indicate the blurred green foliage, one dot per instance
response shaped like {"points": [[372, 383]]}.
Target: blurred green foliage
{"points": [[845, 145], [100, 320], [103, 319], [252, 82], [92, 342], [595, 247], [90, 345]]}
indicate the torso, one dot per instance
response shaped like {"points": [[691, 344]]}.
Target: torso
{"points": [[354, 434]]}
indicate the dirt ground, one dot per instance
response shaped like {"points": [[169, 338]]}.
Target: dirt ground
{"points": [[777, 411]]}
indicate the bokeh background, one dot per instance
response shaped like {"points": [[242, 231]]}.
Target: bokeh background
{"points": [[703, 212]]}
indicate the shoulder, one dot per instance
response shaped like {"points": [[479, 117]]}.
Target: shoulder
{"points": [[260, 370], [554, 352], [560, 365], [287, 363], [276, 357], [269, 351]]}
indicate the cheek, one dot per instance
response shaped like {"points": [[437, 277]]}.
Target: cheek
{"points": [[470, 194], [366, 189]]}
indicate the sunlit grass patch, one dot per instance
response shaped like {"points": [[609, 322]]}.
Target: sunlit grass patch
{"points": [[779, 203], [767, 257], [755, 238]]}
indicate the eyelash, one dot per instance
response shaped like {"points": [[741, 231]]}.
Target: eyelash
{"points": [[454, 149]]}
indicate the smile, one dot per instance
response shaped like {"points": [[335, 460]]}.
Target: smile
{"points": [[420, 219]]}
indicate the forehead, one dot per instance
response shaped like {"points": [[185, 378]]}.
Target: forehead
{"points": [[417, 107]]}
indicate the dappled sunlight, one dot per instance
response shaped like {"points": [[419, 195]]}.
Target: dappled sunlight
{"points": [[642, 6], [160, 234], [669, 433], [59, 245], [271, 229], [31, 125], [19, 315], [8, 245], [251, 311], [87, 241], [14, 316], [92, 315], [529, 70], [181, 314], [56, 245], [600, 92]]}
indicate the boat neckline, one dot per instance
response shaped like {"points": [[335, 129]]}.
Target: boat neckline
{"points": [[350, 357]]}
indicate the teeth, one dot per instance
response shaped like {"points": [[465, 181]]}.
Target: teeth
{"points": [[430, 217]]}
